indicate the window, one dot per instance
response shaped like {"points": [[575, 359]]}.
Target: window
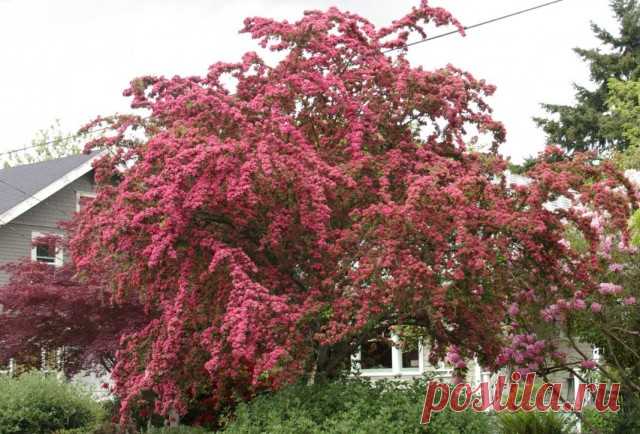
{"points": [[376, 354], [571, 389], [84, 198], [384, 356], [45, 252], [411, 357]]}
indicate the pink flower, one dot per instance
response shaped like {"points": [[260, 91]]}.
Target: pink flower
{"points": [[579, 304], [559, 355], [453, 357], [606, 288], [513, 309], [552, 312], [629, 301], [616, 267], [588, 364], [596, 307], [607, 244], [596, 223]]}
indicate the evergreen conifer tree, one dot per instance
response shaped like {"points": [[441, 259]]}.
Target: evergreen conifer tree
{"points": [[587, 125]]}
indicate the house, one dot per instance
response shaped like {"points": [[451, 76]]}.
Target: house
{"points": [[34, 199]]}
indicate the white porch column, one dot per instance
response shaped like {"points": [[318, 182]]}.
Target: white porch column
{"points": [[477, 372]]}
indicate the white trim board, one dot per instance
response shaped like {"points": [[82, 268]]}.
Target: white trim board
{"points": [[80, 194], [49, 190]]}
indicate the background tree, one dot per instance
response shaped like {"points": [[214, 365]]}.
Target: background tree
{"points": [[624, 107], [46, 307], [587, 125], [49, 143]]}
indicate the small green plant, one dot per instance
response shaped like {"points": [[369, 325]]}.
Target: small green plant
{"points": [[535, 423], [39, 404]]}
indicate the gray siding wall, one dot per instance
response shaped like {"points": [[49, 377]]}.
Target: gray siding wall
{"points": [[15, 237]]}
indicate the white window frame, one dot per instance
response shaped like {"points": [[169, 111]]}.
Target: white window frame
{"points": [[80, 194], [396, 369], [59, 258]]}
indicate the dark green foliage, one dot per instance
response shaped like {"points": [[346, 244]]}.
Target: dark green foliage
{"points": [[112, 429], [535, 423], [628, 418], [521, 169], [587, 125], [38, 404], [599, 423], [178, 430], [350, 406]]}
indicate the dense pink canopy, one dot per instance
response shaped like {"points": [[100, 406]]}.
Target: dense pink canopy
{"points": [[276, 215]]}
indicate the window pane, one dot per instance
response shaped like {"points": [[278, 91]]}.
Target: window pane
{"points": [[44, 254], [410, 359], [375, 355], [571, 390]]}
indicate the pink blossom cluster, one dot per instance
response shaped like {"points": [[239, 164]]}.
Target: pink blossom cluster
{"points": [[454, 358], [607, 288], [525, 351]]}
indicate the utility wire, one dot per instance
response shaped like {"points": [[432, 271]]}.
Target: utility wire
{"points": [[473, 26], [50, 142]]}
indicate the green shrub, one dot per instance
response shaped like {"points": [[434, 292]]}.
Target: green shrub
{"points": [[535, 423], [37, 404], [596, 422], [627, 420], [350, 406], [178, 430], [100, 428]]}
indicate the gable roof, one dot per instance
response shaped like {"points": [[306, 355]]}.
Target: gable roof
{"points": [[23, 187]]}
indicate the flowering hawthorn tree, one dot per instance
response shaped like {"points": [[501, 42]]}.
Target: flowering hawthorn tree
{"points": [[278, 215]]}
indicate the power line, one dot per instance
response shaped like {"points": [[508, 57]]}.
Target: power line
{"points": [[50, 142], [473, 26]]}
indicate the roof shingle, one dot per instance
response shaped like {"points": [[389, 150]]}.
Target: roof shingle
{"points": [[21, 182]]}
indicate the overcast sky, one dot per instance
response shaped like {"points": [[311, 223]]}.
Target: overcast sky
{"points": [[71, 59]]}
